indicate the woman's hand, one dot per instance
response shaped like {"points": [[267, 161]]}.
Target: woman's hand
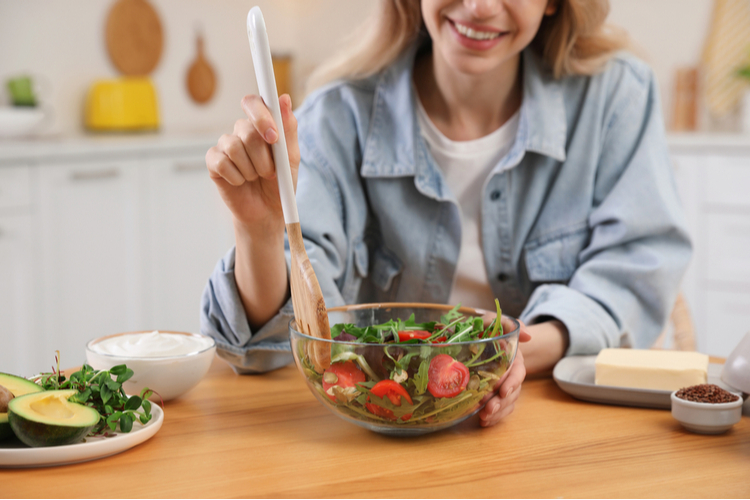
{"points": [[502, 402], [242, 167]]}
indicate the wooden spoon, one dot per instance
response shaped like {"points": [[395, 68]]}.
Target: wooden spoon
{"points": [[309, 307]]}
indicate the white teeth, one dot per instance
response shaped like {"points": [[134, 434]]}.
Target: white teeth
{"points": [[475, 35]]}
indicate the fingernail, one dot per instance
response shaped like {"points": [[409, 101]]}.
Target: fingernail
{"points": [[494, 410], [271, 135]]}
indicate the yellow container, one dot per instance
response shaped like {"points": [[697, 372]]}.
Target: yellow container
{"points": [[127, 103]]}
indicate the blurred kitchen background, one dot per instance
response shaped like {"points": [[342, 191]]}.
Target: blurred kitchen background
{"points": [[109, 223]]}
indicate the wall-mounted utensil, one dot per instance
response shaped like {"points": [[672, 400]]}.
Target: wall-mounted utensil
{"points": [[134, 37], [201, 79]]}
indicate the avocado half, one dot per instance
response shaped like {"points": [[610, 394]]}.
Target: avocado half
{"points": [[48, 419], [18, 386]]}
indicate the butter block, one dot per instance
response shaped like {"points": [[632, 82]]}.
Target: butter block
{"points": [[650, 369]]}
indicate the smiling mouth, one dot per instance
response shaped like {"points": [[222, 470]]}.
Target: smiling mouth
{"points": [[475, 34]]}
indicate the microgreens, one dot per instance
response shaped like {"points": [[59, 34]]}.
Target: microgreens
{"points": [[102, 390]]}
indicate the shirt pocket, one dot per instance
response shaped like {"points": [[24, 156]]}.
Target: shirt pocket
{"points": [[361, 258], [555, 258], [385, 272]]}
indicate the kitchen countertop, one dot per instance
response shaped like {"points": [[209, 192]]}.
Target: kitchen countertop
{"points": [[75, 147], [72, 148], [267, 436]]}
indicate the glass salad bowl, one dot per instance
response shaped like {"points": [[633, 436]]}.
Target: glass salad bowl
{"points": [[406, 369]]}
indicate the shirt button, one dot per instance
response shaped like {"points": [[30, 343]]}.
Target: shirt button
{"points": [[495, 195], [502, 277]]}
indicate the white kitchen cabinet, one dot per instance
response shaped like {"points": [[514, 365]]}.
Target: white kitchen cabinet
{"points": [[91, 261], [189, 230], [17, 296], [100, 235], [714, 182], [17, 265]]}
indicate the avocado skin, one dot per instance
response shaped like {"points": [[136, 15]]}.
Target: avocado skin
{"points": [[5, 430], [37, 434], [27, 388]]}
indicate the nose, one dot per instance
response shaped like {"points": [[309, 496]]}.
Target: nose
{"points": [[483, 8]]}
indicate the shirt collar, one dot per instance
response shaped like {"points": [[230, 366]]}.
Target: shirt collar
{"points": [[394, 147]]}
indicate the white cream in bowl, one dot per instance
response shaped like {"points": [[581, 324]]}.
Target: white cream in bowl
{"points": [[170, 363], [155, 344]]}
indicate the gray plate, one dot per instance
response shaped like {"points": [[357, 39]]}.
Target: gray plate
{"points": [[575, 375]]}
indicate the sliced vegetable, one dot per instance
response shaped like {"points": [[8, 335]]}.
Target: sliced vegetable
{"points": [[405, 335], [391, 389], [446, 377], [342, 375]]}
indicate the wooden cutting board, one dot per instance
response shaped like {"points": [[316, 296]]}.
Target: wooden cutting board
{"points": [[134, 37], [201, 79]]}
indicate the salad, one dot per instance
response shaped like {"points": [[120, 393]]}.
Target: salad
{"points": [[412, 374]]}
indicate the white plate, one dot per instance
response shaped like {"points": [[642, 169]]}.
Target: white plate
{"points": [[15, 454], [575, 375]]}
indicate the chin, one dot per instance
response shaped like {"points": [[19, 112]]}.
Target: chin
{"points": [[472, 65]]}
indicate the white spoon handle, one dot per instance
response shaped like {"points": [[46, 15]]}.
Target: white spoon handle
{"points": [[261, 51]]}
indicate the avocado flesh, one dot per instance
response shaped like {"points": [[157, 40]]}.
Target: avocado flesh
{"points": [[49, 419], [18, 386]]}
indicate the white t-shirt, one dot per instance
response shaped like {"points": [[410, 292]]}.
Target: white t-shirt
{"points": [[467, 166]]}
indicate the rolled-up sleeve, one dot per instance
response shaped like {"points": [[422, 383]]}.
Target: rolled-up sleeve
{"points": [[223, 318], [629, 273]]}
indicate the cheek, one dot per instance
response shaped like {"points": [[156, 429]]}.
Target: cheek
{"points": [[527, 17], [431, 10]]}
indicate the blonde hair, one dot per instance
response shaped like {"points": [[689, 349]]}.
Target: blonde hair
{"points": [[573, 40]]}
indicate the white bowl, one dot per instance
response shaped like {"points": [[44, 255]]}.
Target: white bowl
{"points": [[706, 418], [169, 376]]}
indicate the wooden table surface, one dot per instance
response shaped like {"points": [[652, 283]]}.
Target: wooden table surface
{"points": [[267, 436]]}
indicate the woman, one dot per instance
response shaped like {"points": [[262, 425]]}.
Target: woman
{"points": [[466, 150]]}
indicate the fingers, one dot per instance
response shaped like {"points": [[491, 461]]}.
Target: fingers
{"points": [[260, 117], [503, 402], [523, 335], [493, 418], [245, 154], [234, 149], [290, 129], [515, 377], [257, 151], [221, 167], [498, 408]]}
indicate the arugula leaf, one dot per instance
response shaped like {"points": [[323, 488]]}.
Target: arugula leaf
{"points": [[498, 323], [420, 378]]}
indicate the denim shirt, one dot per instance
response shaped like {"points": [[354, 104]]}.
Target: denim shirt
{"points": [[580, 221]]}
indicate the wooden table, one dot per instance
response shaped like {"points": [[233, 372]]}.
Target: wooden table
{"points": [[267, 436]]}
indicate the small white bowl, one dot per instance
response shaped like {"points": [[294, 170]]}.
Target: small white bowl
{"points": [[169, 376], [706, 418]]}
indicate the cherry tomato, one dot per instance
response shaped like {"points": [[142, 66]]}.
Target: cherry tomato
{"points": [[405, 335], [392, 389], [347, 374], [380, 411], [384, 412], [394, 392], [446, 377]]}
